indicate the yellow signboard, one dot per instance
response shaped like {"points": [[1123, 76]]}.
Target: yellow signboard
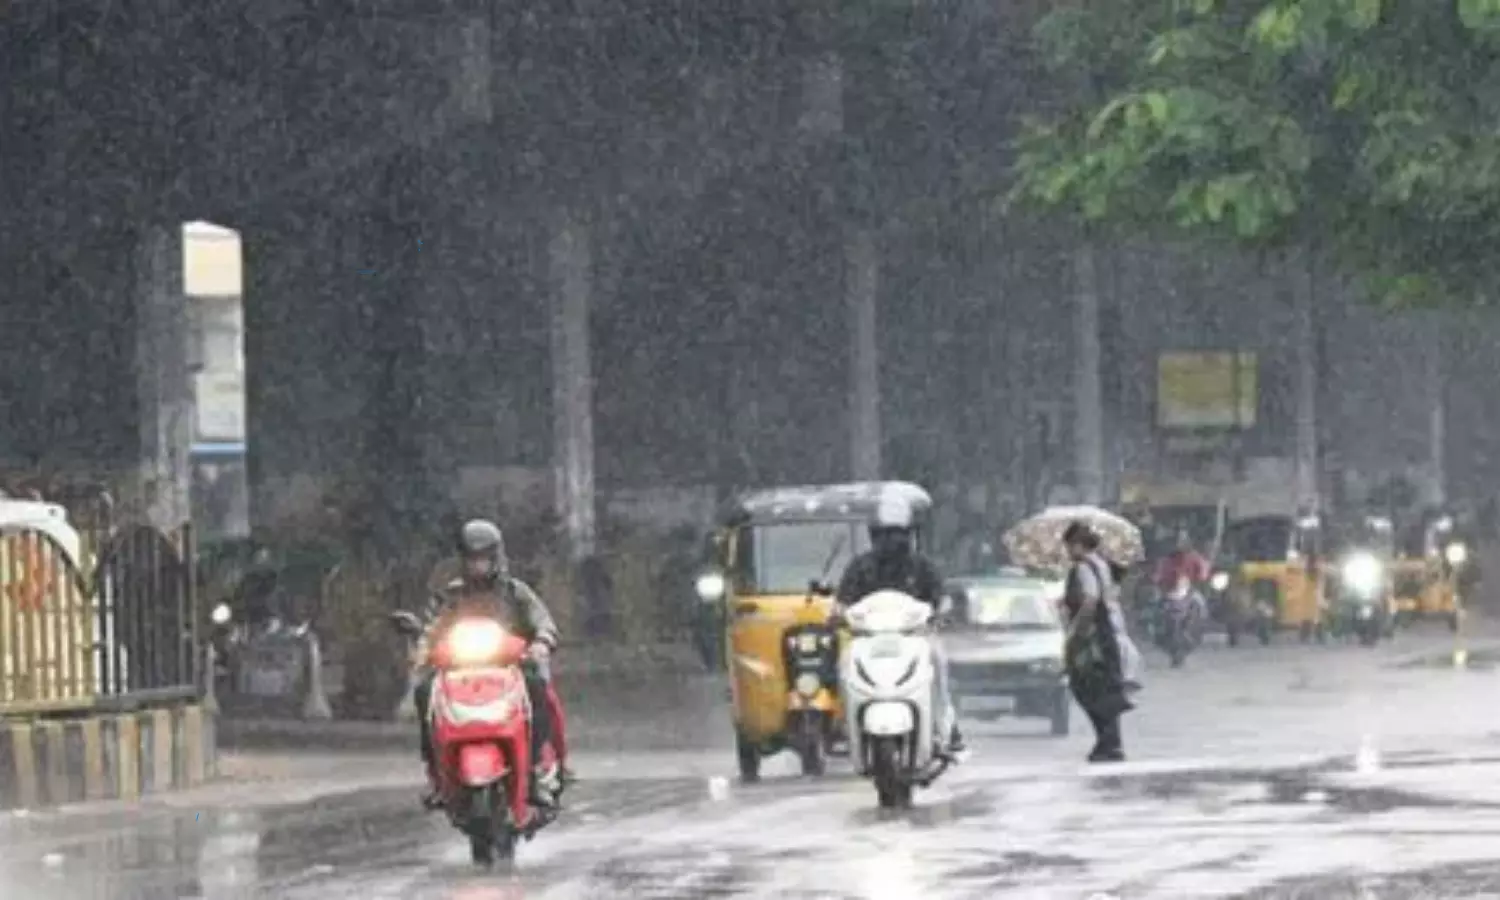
{"points": [[1206, 390]]}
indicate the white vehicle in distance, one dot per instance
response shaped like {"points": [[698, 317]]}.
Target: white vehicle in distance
{"points": [[1003, 634]]}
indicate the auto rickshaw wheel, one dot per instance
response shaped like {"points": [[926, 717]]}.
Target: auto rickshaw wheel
{"points": [[1305, 632], [1232, 634], [749, 758]]}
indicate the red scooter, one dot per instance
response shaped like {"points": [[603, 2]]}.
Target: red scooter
{"points": [[481, 736]]}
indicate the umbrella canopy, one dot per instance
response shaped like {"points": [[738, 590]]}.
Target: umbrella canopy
{"points": [[1037, 541]]}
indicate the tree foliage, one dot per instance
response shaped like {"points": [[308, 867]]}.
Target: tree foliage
{"points": [[1366, 128]]}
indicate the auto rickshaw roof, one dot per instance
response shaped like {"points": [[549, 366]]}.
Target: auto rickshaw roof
{"points": [[855, 500]]}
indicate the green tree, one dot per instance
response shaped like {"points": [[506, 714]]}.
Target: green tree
{"points": [[1364, 128]]}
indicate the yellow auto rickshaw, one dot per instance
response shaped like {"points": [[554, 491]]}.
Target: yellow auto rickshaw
{"points": [[1430, 574], [1275, 576], [780, 555]]}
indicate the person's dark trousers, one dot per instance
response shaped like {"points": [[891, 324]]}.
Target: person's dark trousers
{"points": [[536, 691], [1108, 742], [421, 696], [541, 710]]}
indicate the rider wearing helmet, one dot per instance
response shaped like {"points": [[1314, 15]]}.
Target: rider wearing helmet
{"points": [[486, 587], [893, 563]]}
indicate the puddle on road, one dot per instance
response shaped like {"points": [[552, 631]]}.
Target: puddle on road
{"points": [[1457, 882], [1474, 661], [929, 813], [688, 873], [1277, 788]]}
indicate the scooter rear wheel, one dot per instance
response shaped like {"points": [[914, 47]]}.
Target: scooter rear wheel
{"points": [[490, 836]]}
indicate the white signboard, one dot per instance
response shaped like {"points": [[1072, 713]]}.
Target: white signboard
{"points": [[221, 406]]}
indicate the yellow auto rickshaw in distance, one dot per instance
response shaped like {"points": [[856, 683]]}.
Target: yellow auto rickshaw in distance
{"points": [[1431, 574], [781, 554], [1275, 576]]}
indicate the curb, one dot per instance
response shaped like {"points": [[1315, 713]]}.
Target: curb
{"points": [[52, 762]]}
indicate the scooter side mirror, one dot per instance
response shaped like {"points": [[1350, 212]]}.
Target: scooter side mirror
{"points": [[405, 623]]}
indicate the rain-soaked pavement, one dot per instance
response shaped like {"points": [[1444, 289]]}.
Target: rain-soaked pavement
{"points": [[1287, 771]]}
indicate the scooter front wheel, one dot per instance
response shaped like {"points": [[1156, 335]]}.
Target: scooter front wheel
{"points": [[891, 790]]}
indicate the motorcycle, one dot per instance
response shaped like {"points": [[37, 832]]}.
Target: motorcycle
{"points": [[481, 737], [886, 675], [1179, 626], [1362, 604]]}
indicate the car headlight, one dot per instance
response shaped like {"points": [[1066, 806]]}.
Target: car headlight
{"points": [[1362, 572], [1219, 581], [1456, 554], [710, 587]]}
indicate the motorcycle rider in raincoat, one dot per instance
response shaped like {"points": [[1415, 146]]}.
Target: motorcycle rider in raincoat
{"points": [[893, 563], [485, 587]]}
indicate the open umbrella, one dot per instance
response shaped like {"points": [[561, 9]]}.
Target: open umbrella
{"points": [[1037, 541]]}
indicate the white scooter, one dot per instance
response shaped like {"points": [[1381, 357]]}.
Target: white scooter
{"points": [[886, 674]]}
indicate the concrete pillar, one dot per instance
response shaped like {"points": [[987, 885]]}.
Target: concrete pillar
{"points": [[164, 385], [861, 289], [1088, 411], [571, 266]]}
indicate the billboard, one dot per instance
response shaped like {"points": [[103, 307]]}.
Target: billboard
{"points": [[1206, 390]]}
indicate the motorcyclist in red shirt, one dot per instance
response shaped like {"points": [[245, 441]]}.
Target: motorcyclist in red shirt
{"points": [[1183, 562]]}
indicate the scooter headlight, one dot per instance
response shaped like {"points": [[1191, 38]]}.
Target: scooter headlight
{"points": [[1456, 553], [710, 587], [475, 641], [1362, 572], [1219, 581], [222, 614], [807, 684]]}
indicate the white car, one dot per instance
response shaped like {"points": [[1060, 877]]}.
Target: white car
{"points": [[1004, 640]]}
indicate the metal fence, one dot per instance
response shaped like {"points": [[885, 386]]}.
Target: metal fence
{"points": [[114, 627]]}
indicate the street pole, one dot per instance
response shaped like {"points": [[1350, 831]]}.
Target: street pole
{"points": [[1437, 406], [164, 382], [1303, 273], [1088, 406], [860, 288], [572, 385]]}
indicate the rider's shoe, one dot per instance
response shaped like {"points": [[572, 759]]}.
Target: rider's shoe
{"points": [[432, 796], [956, 745], [546, 786]]}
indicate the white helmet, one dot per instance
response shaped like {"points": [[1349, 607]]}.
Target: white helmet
{"points": [[892, 512]]}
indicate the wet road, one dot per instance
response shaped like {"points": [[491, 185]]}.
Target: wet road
{"points": [[1269, 772]]}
